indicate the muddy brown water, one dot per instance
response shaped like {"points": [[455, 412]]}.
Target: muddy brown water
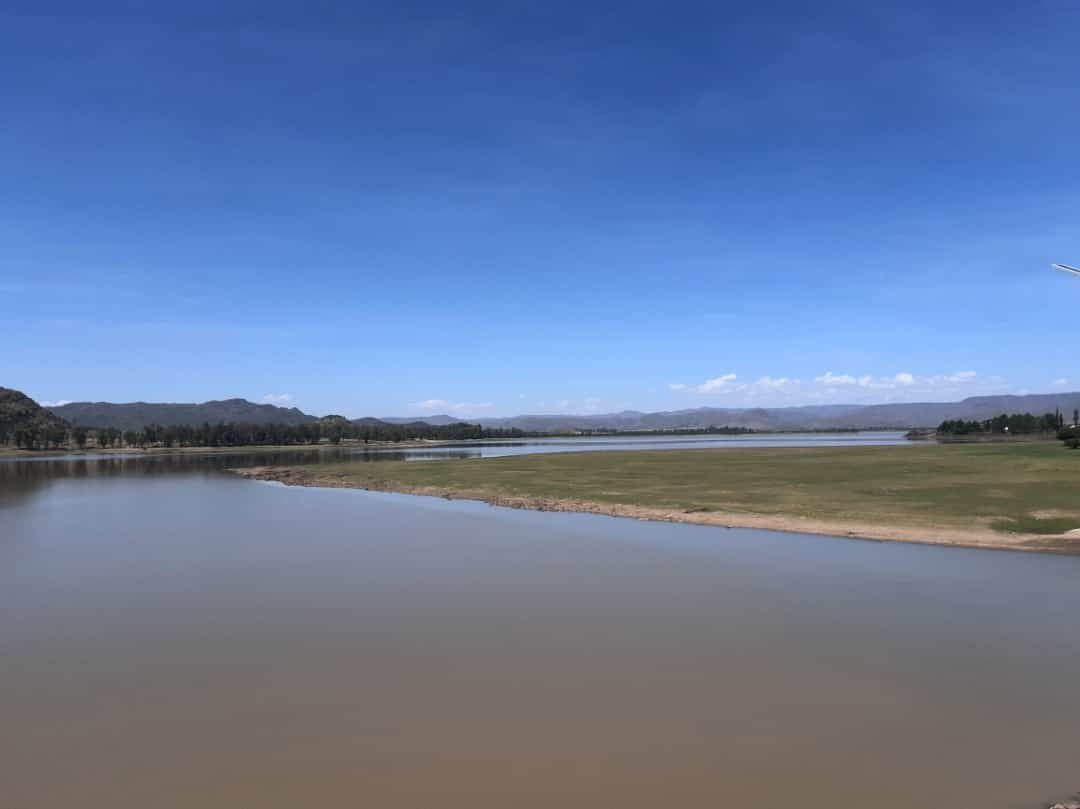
{"points": [[175, 637]]}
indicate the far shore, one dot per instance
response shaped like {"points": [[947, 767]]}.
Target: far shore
{"points": [[724, 488], [238, 450]]}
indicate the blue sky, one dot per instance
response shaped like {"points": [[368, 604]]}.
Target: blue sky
{"points": [[493, 208]]}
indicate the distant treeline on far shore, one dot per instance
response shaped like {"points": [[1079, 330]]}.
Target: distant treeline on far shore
{"points": [[330, 430], [1017, 424]]}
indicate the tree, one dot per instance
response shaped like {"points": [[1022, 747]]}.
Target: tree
{"points": [[26, 437], [56, 435], [79, 434]]}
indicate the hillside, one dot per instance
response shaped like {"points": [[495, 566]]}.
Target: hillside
{"points": [[436, 421], [976, 408], [137, 415], [822, 417], [19, 412]]}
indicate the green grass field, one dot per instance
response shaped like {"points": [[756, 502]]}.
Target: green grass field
{"points": [[1027, 488]]}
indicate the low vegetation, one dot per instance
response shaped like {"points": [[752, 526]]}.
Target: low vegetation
{"points": [[1071, 437], [1028, 488]]}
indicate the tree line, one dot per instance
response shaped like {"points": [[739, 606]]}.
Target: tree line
{"points": [[36, 436], [331, 430], [1017, 424]]}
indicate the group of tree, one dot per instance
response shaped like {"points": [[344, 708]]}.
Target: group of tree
{"points": [[50, 436], [329, 429], [238, 434], [24, 423], [332, 430], [1017, 424], [1071, 435]]}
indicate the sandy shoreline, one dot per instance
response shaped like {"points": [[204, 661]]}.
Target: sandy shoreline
{"points": [[984, 538]]}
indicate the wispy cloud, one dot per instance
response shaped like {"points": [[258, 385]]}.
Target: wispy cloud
{"points": [[832, 387], [958, 377], [831, 379], [775, 383], [729, 383], [716, 383], [1060, 383], [902, 379], [57, 403], [277, 398]]}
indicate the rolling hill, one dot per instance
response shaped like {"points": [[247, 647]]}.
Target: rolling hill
{"points": [[814, 417], [19, 412], [137, 415]]}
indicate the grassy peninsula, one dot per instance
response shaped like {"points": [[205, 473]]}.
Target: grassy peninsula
{"points": [[1019, 496]]}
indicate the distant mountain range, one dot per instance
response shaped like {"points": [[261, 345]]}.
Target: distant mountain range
{"points": [[136, 415], [813, 417], [435, 421]]}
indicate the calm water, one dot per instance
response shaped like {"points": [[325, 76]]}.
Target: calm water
{"points": [[171, 636], [533, 446], [498, 449]]}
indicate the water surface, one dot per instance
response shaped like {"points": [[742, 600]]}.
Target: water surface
{"points": [[174, 637], [488, 448]]}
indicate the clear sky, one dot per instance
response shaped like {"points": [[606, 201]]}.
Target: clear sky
{"points": [[493, 208]]}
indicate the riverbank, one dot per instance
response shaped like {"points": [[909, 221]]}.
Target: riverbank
{"points": [[1016, 497]]}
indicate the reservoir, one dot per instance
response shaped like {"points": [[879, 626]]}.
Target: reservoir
{"points": [[172, 637]]}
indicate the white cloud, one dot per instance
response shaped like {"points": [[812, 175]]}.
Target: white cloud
{"points": [[768, 387], [1060, 383], [849, 388], [715, 384], [957, 378], [836, 380], [57, 403], [903, 379], [430, 406], [829, 378], [277, 398], [963, 376], [775, 383]]}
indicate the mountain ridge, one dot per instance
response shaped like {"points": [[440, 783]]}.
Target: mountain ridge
{"points": [[136, 415]]}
